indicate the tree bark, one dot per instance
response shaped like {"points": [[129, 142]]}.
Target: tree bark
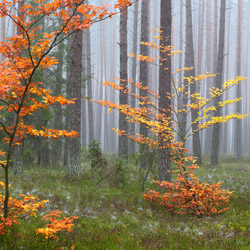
{"points": [[134, 73], [123, 140], [218, 83], [165, 86], [144, 69], [75, 109]]}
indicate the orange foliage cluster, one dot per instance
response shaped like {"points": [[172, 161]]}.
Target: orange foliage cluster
{"points": [[18, 208], [19, 93], [186, 195], [57, 224], [28, 206]]}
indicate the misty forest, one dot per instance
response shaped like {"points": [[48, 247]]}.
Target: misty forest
{"points": [[124, 124]]}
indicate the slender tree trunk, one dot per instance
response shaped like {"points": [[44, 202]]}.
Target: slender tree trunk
{"points": [[218, 83], [144, 68], [134, 73], [123, 141], [207, 85], [66, 122], [239, 92], [165, 85], [83, 101], [75, 109], [58, 116], [89, 88], [201, 56], [226, 134], [189, 62]]}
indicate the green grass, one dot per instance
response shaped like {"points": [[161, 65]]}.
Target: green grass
{"points": [[112, 217]]}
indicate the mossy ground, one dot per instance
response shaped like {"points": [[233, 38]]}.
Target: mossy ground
{"points": [[112, 217]]}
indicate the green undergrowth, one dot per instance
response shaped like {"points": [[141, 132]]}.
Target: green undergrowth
{"points": [[116, 217]]}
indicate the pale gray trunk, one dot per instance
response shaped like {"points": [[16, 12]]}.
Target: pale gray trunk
{"points": [[58, 116], [89, 88], [239, 92], [83, 101]]}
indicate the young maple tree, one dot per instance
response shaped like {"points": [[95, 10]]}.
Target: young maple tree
{"points": [[27, 52], [185, 194]]}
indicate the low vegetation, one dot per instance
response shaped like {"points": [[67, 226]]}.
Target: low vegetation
{"points": [[112, 216]]}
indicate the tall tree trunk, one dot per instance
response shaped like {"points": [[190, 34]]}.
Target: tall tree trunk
{"points": [[123, 141], [83, 101], [66, 122], [165, 85], [144, 68], [239, 92], [218, 83], [190, 63], [58, 116], [226, 133], [75, 109], [209, 61], [134, 73], [89, 88], [200, 56]]}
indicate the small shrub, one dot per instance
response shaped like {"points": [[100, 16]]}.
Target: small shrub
{"points": [[101, 168], [186, 195], [26, 207]]}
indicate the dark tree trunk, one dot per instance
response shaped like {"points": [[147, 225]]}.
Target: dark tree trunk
{"points": [[123, 140], [218, 83], [190, 63], [144, 51], [144, 69], [134, 73], [165, 85], [75, 109]]}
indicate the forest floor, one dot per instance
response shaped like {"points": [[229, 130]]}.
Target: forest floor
{"points": [[117, 217]]}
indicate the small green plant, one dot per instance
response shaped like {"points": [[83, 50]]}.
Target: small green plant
{"points": [[98, 162], [147, 160], [101, 168]]}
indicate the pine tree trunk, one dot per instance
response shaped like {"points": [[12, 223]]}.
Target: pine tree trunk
{"points": [[123, 140], [218, 83], [134, 73], [75, 109], [165, 86]]}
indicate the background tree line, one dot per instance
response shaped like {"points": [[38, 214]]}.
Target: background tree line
{"points": [[213, 38]]}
